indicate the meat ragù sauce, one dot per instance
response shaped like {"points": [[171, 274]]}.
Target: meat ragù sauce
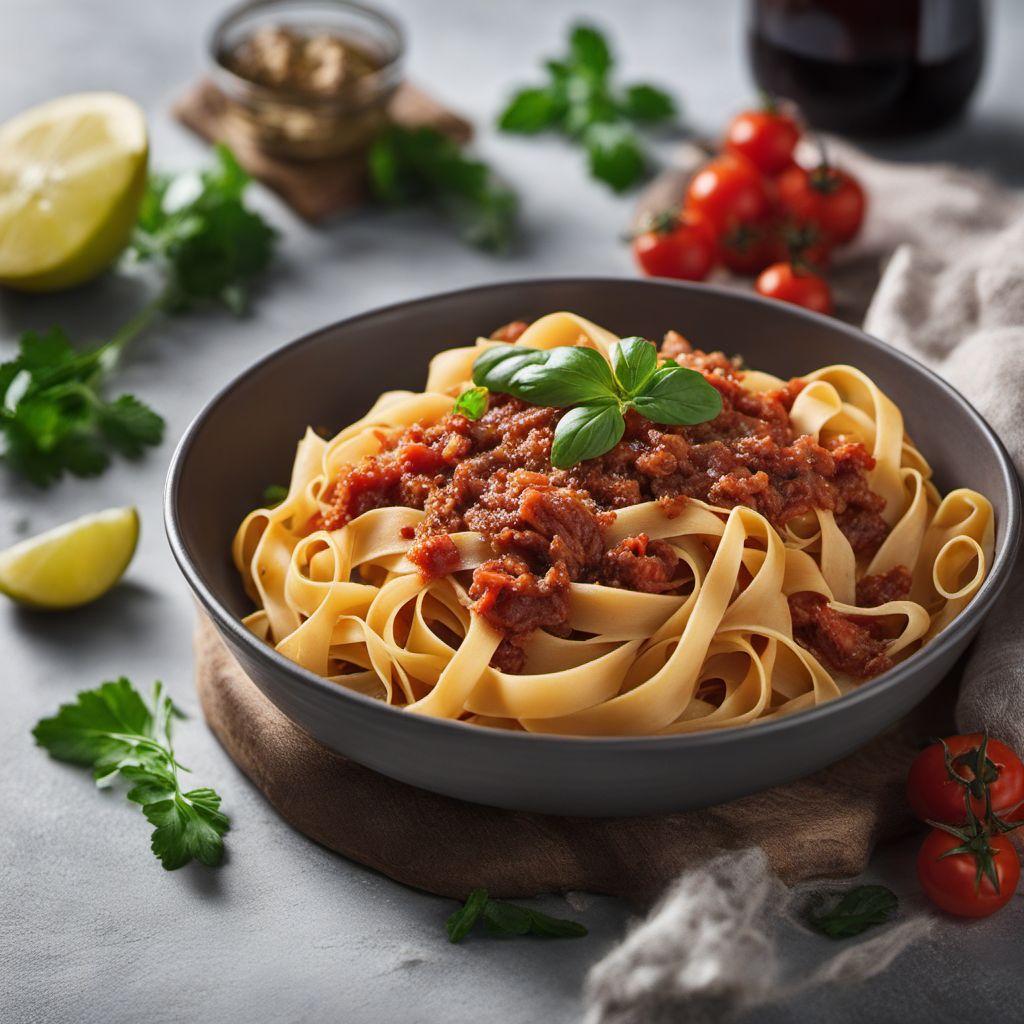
{"points": [[547, 526]]}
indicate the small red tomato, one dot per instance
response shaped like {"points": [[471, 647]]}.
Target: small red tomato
{"points": [[766, 138], [728, 191], [749, 248], [935, 796], [680, 246], [827, 197], [790, 283], [951, 879], [805, 243]]}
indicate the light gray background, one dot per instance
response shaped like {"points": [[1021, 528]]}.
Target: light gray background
{"points": [[91, 929]]}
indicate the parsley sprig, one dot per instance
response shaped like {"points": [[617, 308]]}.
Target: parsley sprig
{"points": [[599, 393], [208, 244], [501, 918], [113, 731], [580, 101], [409, 165]]}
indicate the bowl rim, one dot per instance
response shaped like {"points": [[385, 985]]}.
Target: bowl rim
{"points": [[1008, 538]]}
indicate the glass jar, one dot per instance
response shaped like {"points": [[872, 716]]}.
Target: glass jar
{"points": [[328, 113], [869, 67]]}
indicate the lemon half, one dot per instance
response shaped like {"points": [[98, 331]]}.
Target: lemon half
{"points": [[72, 564], [72, 174]]}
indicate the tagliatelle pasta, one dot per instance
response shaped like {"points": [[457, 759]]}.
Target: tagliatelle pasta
{"points": [[749, 618]]}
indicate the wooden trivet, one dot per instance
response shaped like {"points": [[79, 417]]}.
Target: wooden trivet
{"points": [[822, 826], [315, 189]]}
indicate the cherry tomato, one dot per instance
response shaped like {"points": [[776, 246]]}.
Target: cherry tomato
{"points": [[790, 283], [827, 197], [951, 882], [805, 243], [934, 796], [749, 248], [729, 191], [766, 138], [681, 246]]}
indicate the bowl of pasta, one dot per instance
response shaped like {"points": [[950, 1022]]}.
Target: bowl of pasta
{"points": [[593, 546]]}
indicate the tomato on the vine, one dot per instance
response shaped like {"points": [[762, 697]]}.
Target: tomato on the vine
{"points": [[749, 248], [681, 245], [961, 882], [790, 282], [766, 138], [827, 197], [729, 191], [935, 795]]}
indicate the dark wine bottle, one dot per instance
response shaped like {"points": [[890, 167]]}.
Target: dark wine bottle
{"points": [[870, 67]]}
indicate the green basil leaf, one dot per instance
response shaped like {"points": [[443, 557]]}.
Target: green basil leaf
{"points": [[461, 923], [648, 104], [555, 927], [857, 910], [506, 918], [274, 494], [472, 403], [679, 395], [495, 367], [589, 49], [634, 361], [570, 376], [615, 155], [531, 111], [586, 432]]}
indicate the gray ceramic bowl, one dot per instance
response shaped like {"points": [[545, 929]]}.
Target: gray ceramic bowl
{"points": [[332, 376]]}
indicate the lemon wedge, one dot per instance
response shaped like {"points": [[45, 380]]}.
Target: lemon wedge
{"points": [[72, 564], [72, 174]]}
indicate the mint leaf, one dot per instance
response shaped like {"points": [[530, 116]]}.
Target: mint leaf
{"points": [[647, 104], [634, 361], [502, 918], [855, 911], [586, 432], [115, 732], [472, 403], [615, 155], [461, 923], [569, 376], [530, 111], [678, 395]]}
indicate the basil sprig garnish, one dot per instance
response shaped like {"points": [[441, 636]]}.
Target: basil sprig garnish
{"points": [[599, 394]]}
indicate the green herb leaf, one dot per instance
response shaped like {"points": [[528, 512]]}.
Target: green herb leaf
{"points": [[274, 494], [589, 49], [855, 911], [497, 365], [571, 375], [462, 922], [502, 918], [472, 403], [586, 432], [209, 244], [647, 104], [634, 361], [678, 395], [615, 155], [531, 111], [408, 165], [113, 730]]}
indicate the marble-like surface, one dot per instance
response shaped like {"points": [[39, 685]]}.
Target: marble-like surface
{"points": [[91, 929]]}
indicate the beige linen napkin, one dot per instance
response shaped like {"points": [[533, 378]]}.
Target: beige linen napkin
{"points": [[951, 296]]}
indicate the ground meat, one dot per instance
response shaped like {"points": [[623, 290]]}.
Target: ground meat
{"points": [[637, 563], [853, 645], [510, 332], [883, 587], [546, 526], [517, 601]]}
